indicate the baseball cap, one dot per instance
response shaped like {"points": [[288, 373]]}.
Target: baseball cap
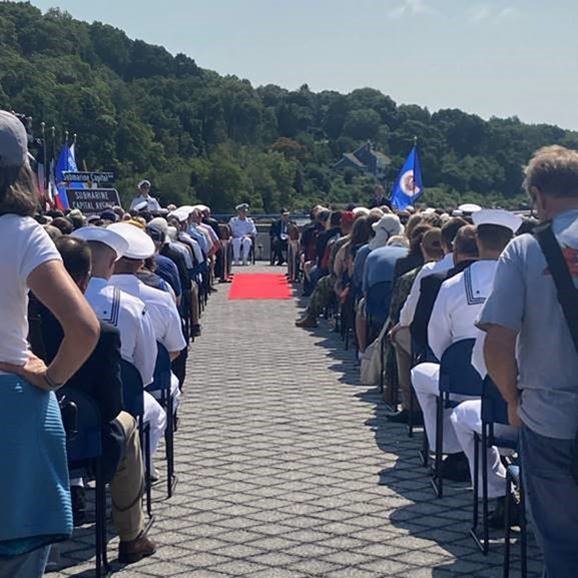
{"points": [[13, 141]]}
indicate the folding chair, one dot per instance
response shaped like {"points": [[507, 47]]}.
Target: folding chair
{"points": [[494, 411], [377, 308], [419, 355], [133, 403], [458, 377], [84, 452], [162, 384], [514, 480], [347, 317]]}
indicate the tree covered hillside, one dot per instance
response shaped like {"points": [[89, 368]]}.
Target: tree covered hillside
{"points": [[197, 135]]}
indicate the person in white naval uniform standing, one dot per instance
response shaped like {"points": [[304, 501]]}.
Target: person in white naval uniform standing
{"points": [[163, 312], [243, 231], [144, 201], [454, 316], [126, 312]]}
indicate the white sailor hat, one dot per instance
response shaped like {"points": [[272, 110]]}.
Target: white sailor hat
{"points": [[179, 214], [144, 182], [428, 211], [105, 236], [364, 211], [140, 206], [140, 245], [469, 208], [241, 207], [498, 217]]}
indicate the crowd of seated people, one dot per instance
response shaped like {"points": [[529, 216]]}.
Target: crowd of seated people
{"points": [[84, 297], [414, 287]]}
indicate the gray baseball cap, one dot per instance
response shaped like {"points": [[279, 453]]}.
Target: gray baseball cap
{"points": [[13, 141]]}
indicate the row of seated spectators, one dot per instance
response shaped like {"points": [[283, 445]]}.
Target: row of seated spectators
{"points": [[443, 308], [98, 317]]}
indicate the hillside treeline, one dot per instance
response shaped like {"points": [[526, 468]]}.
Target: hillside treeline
{"points": [[197, 135]]}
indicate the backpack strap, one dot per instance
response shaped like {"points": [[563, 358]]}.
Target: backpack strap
{"points": [[567, 292]]}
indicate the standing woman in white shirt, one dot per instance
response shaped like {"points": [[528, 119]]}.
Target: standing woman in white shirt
{"points": [[35, 506]]}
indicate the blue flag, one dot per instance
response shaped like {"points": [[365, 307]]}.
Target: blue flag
{"points": [[66, 162], [408, 187]]}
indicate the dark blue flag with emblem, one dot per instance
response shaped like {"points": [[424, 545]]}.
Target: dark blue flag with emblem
{"points": [[408, 187]]}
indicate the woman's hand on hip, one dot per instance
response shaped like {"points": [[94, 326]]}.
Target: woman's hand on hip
{"points": [[33, 371]]}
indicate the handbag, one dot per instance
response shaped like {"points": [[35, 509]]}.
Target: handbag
{"points": [[567, 297]]}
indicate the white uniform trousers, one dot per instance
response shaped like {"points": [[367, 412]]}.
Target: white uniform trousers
{"points": [[241, 242], [466, 419], [156, 417], [425, 382]]}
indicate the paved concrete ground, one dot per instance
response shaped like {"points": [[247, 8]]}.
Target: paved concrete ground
{"points": [[287, 467]]}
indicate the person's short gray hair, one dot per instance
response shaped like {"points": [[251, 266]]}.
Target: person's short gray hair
{"points": [[553, 170]]}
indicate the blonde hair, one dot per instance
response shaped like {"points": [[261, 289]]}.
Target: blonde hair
{"points": [[553, 170]]}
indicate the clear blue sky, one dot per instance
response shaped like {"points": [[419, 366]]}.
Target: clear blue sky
{"points": [[492, 57]]}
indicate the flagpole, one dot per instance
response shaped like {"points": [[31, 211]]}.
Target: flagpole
{"points": [[53, 133], [44, 154], [414, 158]]}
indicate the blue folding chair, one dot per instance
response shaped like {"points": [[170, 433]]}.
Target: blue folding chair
{"points": [[133, 403], [377, 303], [84, 453], [162, 384], [458, 377], [494, 411]]}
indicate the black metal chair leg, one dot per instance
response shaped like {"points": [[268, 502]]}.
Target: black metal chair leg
{"points": [[485, 515], [147, 450], [437, 480], [507, 530], [475, 509], [98, 519], [169, 441], [381, 365], [523, 530], [411, 413]]}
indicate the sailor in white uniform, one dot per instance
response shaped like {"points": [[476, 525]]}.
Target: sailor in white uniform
{"points": [[163, 312], [466, 418], [243, 231], [126, 312], [455, 312], [150, 203]]}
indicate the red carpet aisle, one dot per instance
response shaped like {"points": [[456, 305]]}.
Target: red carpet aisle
{"points": [[260, 286]]}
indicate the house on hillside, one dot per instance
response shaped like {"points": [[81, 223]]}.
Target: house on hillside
{"points": [[365, 159]]}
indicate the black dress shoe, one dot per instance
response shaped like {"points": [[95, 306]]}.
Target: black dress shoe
{"points": [[78, 499], [403, 417], [497, 519], [455, 468]]}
